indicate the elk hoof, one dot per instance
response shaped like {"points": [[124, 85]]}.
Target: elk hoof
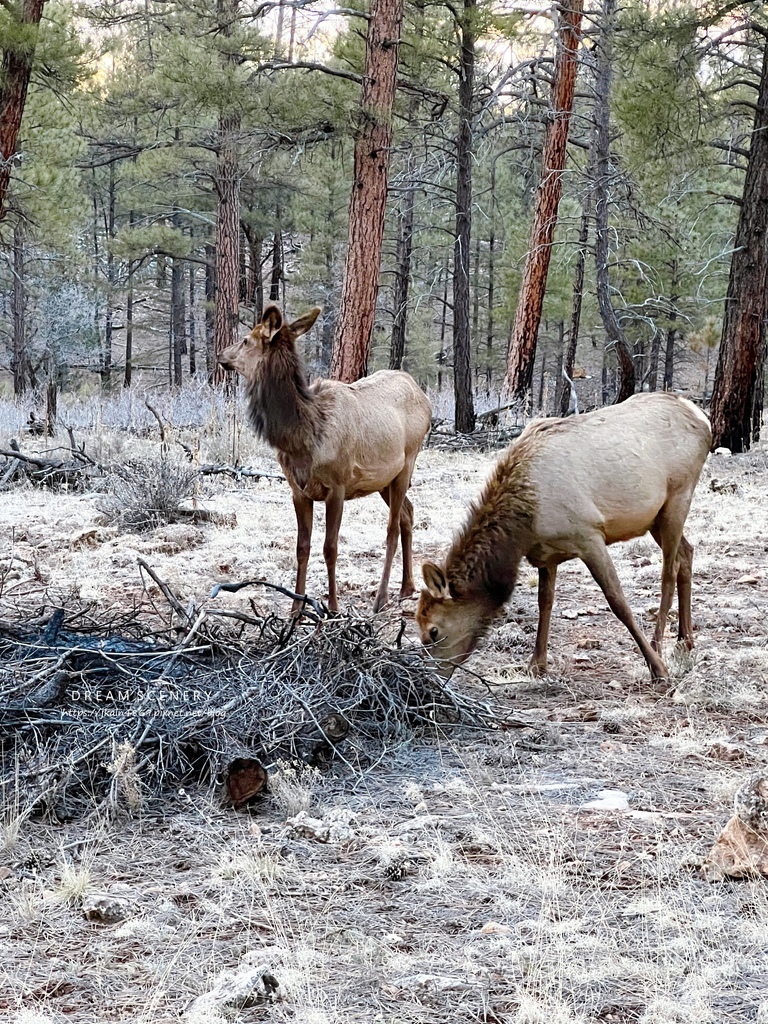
{"points": [[380, 603], [537, 668]]}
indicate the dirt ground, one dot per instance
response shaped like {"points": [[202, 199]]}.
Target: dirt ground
{"points": [[486, 878]]}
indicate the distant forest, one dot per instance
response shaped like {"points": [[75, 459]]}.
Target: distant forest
{"points": [[516, 203]]}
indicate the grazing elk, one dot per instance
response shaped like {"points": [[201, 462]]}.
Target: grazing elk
{"points": [[334, 441], [567, 488]]}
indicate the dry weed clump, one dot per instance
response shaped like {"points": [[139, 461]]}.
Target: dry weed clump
{"points": [[294, 787], [147, 493]]}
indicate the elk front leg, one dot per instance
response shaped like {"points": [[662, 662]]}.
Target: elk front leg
{"points": [[303, 507], [334, 509], [599, 563], [547, 577]]}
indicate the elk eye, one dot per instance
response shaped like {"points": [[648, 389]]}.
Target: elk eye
{"points": [[434, 633]]}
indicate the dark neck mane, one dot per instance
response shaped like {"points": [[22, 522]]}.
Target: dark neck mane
{"points": [[483, 561], [281, 406]]}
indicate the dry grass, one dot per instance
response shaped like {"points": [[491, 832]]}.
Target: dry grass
{"points": [[460, 881]]}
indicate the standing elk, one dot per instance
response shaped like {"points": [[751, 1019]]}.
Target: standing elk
{"points": [[567, 488], [334, 441]]}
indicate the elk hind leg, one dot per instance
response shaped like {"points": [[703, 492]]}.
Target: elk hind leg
{"points": [[406, 544], [394, 496], [408, 588], [334, 509], [547, 577], [667, 531], [599, 563], [684, 577]]}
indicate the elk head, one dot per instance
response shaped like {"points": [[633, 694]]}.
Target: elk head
{"points": [[450, 623], [246, 356]]}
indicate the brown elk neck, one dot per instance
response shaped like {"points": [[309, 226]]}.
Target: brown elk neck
{"points": [[487, 573], [284, 410]]}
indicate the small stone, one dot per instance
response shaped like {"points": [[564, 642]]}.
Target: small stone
{"points": [[725, 453], [250, 987], [608, 800], [740, 852], [105, 907], [495, 928]]}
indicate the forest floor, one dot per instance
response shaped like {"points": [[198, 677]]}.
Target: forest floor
{"points": [[484, 878]]}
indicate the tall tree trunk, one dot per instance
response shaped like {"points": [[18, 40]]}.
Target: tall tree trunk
{"points": [[669, 359], [563, 400], [329, 315], [443, 323], [653, 362], [106, 356], [462, 344], [255, 288], [292, 37], [15, 72], [402, 279], [522, 347], [227, 236], [210, 312], [357, 305], [19, 357], [178, 315], [276, 276], [128, 371], [737, 396], [244, 266], [491, 283], [227, 184], [192, 326], [279, 29], [407, 207], [602, 143]]}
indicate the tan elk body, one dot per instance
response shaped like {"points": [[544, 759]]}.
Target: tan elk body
{"points": [[568, 488], [334, 441]]}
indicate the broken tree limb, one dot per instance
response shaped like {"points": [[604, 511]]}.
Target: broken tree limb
{"points": [[237, 472]]}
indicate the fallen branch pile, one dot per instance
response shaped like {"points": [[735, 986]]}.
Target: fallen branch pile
{"points": [[55, 468], [479, 440], [116, 718]]}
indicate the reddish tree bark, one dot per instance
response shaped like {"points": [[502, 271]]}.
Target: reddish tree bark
{"points": [[15, 72], [522, 348], [227, 237], [19, 354], [227, 184], [736, 409], [357, 306]]}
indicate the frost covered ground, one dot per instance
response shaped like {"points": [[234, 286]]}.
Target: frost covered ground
{"points": [[466, 881]]}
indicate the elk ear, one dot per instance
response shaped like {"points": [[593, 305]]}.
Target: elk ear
{"points": [[305, 323], [272, 320], [434, 577]]}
